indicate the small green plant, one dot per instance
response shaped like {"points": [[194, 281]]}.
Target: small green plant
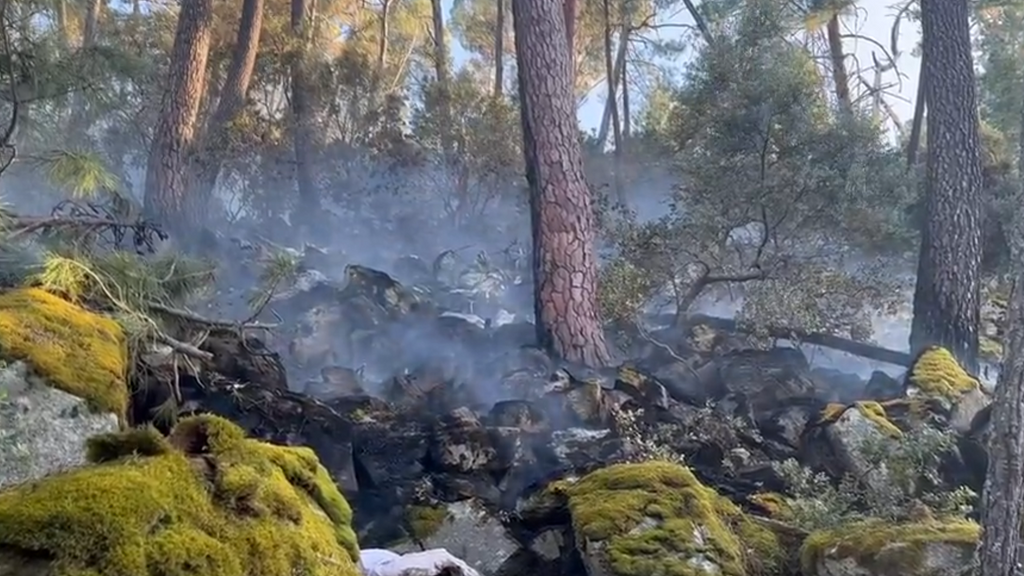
{"points": [[902, 478]]}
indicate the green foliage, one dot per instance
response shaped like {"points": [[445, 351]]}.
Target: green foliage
{"points": [[773, 190], [902, 477]]}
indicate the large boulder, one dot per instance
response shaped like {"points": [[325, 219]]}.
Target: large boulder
{"points": [[205, 500], [63, 379], [931, 547], [657, 518]]}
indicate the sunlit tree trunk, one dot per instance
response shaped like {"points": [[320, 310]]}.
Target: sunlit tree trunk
{"points": [[166, 190], [947, 296], [303, 121], [565, 266], [232, 100]]}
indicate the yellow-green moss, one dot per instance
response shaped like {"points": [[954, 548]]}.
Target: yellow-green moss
{"points": [[143, 441], [214, 503], [773, 503], [990, 349], [865, 541], [75, 350], [674, 510], [425, 521], [832, 412], [875, 412], [937, 373]]}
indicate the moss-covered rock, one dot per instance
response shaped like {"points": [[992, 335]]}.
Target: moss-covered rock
{"points": [[936, 373], [656, 519], [79, 352], [930, 548], [207, 500]]}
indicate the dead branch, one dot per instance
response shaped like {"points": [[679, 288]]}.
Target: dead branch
{"points": [[189, 316], [862, 349]]}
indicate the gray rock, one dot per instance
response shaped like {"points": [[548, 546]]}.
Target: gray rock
{"points": [[43, 429], [472, 534]]}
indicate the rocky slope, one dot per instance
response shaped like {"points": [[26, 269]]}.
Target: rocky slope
{"points": [[470, 440]]}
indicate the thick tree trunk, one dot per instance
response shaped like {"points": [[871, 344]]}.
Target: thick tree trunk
{"points": [[232, 100], [1002, 505], [499, 50], [166, 191], [840, 77], [947, 297], [565, 266], [1003, 498], [303, 121]]}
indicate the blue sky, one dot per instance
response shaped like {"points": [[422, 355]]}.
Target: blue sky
{"points": [[873, 19]]}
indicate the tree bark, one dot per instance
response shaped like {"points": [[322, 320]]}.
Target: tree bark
{"points": [[565, 267], [499, 50], [1002, 504], [914, 142], [167, 171], [947, 297], [232, 100], [303, 122], [840, 77]]}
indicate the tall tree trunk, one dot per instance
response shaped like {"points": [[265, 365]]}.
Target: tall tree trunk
{"points": [[303, 121], [443, 77], [499, 50], [382, 44], [92, 19], [569, 11], [840, 77], [564, 263], [64, 34], [1002, 505], [167, 171], [609, 70], [947, 296], [232, 100]]}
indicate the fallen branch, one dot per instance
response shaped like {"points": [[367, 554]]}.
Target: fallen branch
{"points": [[183, 347], [862, 349], [190, 316]]}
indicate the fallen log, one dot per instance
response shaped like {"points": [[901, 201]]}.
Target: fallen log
{"points": [[862, 349]]}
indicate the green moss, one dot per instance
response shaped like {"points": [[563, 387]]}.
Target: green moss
{"points": [[75, 350], [214, 502], [425, 521], [884, 548], [679, 518], [937, 373], [875, 412], [144, 441], [774, 504]]}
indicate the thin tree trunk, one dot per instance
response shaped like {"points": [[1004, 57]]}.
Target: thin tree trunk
{"points": [[609, 69], [947, 297], [92, 18], [914, 142], [499, 50], [840, 77], [166, 190], [304, 130], [79, 123], [565, 265], [232, 100], [443, 77], [382, 42], [1002, 506], [606, 116], [627, 122]]}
